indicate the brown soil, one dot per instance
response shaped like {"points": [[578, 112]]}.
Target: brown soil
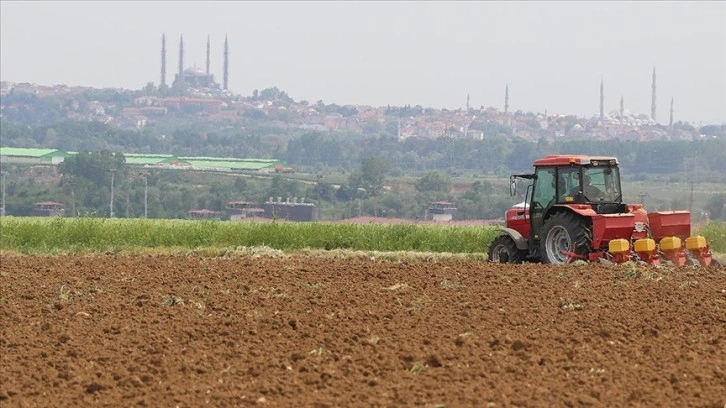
{"points": [[190, 331]]}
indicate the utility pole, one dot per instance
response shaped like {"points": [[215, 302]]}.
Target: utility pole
{"points": [[146, 194], [72, 183], [73, 197], [4, 210], [113, 173]]}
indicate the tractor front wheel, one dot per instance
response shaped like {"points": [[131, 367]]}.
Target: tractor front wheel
{"points": [[504, 250], [564, 238]]}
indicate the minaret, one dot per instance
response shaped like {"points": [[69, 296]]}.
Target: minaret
{"points": [[670, 121], [467, 103], [226, 63], [622, 109], [602, 99], [181, 56], [207, 55], [506, 99], [652, 101], [163, 60]]}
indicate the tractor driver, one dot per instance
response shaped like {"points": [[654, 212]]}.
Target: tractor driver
{"points": [[590, 191], [567, 195]]}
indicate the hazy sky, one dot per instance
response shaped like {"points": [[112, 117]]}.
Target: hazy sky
{"points": [[552, 54]]}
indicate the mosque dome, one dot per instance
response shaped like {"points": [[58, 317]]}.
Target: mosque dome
{"points": [[194, 71]]}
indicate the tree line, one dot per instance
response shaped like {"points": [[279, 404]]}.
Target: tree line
{"points": [[344, 152]]}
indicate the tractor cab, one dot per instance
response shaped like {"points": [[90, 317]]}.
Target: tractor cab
{"points": [[570, 180]]}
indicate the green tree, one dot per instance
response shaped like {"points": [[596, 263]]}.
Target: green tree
{"points": [[284, 188], [435, 182], [96, 167], [371, 176], [433, 186], [88, 172], [323, 191]]}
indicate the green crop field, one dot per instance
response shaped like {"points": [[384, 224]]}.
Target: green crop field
{"points": [[715, 233], [43, 235], [36, 235]]}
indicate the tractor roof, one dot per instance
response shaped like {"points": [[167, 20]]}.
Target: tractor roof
{"points": [[578, 159]]}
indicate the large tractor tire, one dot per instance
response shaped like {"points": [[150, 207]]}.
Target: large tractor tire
{"points": [[563, 235], [504, 250]]}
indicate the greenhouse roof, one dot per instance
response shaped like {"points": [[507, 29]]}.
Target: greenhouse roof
{"points": [[160, 160], [230, 165], [135, 160], [30, 152], [228, 159]]}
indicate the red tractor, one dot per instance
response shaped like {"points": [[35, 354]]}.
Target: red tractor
{"points": [[574, 210]]}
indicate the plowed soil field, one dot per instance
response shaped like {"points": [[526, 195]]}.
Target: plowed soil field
{"points": [[314, 331]]}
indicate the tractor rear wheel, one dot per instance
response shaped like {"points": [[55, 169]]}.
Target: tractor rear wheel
{"points": [[564, 238], [504, 250]]}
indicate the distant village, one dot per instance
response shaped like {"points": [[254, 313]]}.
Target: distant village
{"points": [[195, 93], [419, 122]]}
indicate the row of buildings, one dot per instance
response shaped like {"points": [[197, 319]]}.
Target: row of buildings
{"points": [[288, 210], [272, 210], [285, 114]]}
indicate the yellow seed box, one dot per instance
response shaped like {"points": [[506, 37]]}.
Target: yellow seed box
{"points": [[697, 242], [670, 243], [645, 245], [619, 246]]}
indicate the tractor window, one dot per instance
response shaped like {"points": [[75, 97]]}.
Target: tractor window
{"points": [[544, 188], [602, 184], [568, 185]]}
